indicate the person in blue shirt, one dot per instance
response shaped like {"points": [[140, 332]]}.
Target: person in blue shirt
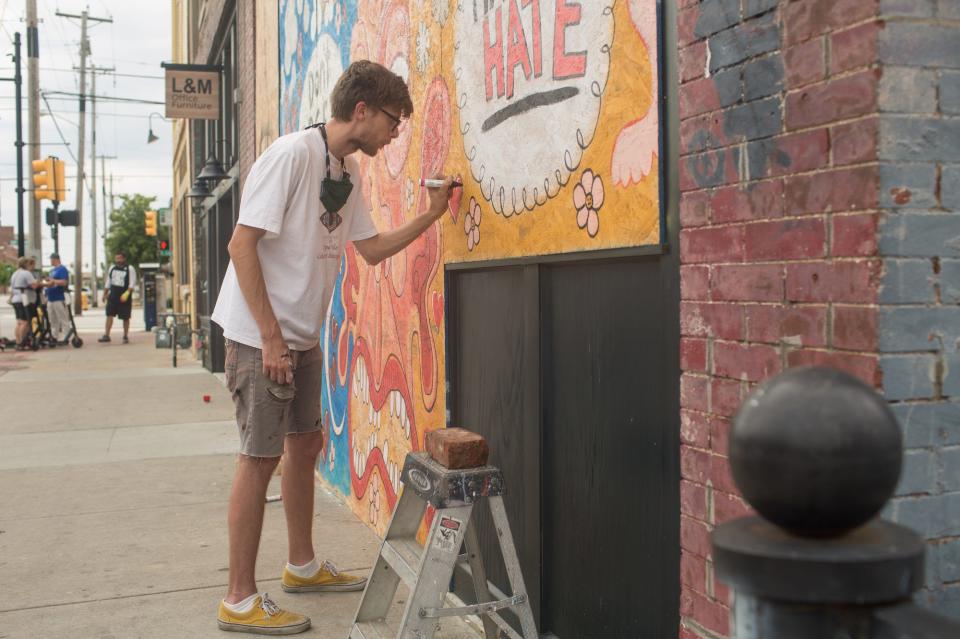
{"points": [[57, 282]]}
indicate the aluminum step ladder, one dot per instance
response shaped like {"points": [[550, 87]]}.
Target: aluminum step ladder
{"points": [[427, 569]]}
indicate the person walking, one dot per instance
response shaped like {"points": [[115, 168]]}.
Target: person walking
{"points": [[24, 285], [301, 204], [118, 288], [57, 281]]}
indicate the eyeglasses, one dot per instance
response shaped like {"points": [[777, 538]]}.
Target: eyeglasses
{"points": [[396, 120]]}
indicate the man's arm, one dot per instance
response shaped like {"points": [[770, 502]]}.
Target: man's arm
{"points": [[383, 245], [246, 263]]}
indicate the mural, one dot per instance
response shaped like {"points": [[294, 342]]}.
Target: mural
{"points": [[545, 109]]}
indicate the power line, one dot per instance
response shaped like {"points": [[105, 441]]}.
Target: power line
{"points": [[106, 98], [123, 75]]}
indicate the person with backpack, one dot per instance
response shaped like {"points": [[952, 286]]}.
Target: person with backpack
{"points": [[118, 295]]}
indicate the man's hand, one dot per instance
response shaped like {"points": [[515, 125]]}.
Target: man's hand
{"points": [[439, 197], [276, 360]]}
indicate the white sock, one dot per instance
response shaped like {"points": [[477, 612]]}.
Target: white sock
{"points": [[242, 606], [306, 570]]}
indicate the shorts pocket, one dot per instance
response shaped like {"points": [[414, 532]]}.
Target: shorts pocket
{"points": [[283, 393]]}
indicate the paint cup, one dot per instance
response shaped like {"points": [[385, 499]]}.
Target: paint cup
{"points": [[206, 398]]}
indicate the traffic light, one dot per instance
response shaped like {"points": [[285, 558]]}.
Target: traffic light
{"points": [[150, 223], [44, 182], [164, 246], [59, 180]]}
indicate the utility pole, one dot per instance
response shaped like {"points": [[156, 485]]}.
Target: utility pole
{"points": [[103, 196], [17, 79], [84, 52], [33, 106]]}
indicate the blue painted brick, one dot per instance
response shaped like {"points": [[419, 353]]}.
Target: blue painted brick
{"points": [[950, 281], [727, 83], [948, 556], [944, 600], [932, 517], [908, 185], [907, 90], [951, 369], [928, 423], [919, 44], [754, 120], [950, 92], [716, 15], [918, 234], [948, 10], [907, 8], [950, 186], [753, 8], [950, 469], [763, 77], [908, 376], [931, 565], [908, 281], [919, 473], [744, 41], [907, 328], [919, 139]]}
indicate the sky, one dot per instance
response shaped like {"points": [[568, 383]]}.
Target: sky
{"points": [[134, 44]]}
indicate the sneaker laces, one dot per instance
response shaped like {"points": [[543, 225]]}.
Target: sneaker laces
{"points": [[269, 606], [332, 569]]}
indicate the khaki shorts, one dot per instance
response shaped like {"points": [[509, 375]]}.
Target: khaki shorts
{"points": [[266, 411]]}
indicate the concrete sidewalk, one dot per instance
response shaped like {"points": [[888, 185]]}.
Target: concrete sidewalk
{"points": [[115, 477]]}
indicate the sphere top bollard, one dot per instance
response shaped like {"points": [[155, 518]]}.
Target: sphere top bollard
{"points": [[816, 451]]}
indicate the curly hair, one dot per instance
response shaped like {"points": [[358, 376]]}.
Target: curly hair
{"points": [[372, 83]]}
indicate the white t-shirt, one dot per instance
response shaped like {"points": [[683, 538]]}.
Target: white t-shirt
{"points": [[299, 257], [20, 283]]}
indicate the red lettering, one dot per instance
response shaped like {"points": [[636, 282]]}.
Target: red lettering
{"points": [[567, 65], [537, 39], [517, 52], [493, 56]]}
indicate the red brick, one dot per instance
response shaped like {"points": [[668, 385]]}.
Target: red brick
{"points": [[805, 63], [805, 19], [799, 152], [752, 362], [686, 24], [832, 191], [693, 61], [695, 536], [721, 592], [854, 142], [694, 282], [854, 235], [854, 48], [693, 572], [693, 392], [853, 282], [708, 613], [865, 367], [715, 244], [687, 633], [695, 465], [711, 319], [720, 474], [693, 354], [786, 240], [709, 169], [720, 435], [748, 282], [703, 132], [698, 96], [694, 209], [826, 102], [759, 200], [855, 328], [693, 500], [694, 429], [727, 507], [725, 397], [802, 325]]}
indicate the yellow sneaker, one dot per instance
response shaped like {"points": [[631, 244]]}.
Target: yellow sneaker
{"points": [[265, 618], [327, 579]]}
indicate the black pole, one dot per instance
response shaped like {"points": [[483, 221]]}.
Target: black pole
{"points": [[55, 228], [18, 81]]}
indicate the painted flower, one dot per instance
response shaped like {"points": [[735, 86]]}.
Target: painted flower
{"points": [[587, 199], [423, 48], [471, 224]]}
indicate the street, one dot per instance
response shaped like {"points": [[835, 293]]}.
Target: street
{"points": [[116, 474]]}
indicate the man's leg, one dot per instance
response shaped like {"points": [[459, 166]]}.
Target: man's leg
{"points": [[245, 522], [126, 328], [297, 484], [106, 330]]}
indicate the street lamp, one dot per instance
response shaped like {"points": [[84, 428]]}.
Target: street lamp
{"points": [[150, 135], [199, 190]]}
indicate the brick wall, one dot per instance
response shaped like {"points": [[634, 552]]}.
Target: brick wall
{"points": [[247, 108], [919, 316], [779, 181]]}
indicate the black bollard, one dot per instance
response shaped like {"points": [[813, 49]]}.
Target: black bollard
{"points": [[817, 453]]}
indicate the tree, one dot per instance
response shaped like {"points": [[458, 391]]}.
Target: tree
{"points": [[127, 231]]}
